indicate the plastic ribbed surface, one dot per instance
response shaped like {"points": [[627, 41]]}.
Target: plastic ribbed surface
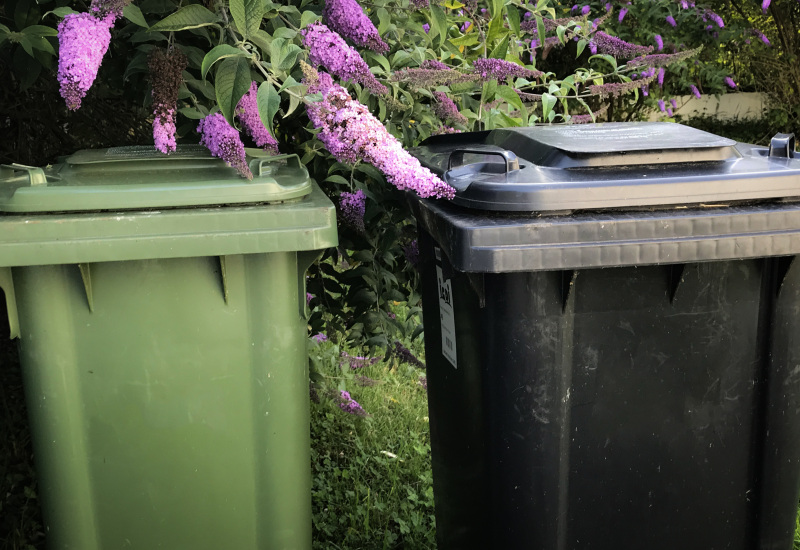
{"points": [[476, 242]]}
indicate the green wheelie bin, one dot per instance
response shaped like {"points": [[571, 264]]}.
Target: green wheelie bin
{"points": [[160, 308]]}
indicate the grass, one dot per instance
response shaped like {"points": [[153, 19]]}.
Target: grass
{"points": [[372, 483]]}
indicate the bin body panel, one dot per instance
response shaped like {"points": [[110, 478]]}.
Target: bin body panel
{"points": [[625, 407], [164, 416]]}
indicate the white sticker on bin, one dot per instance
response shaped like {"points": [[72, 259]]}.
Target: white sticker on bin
{"points": [[446, 316]]}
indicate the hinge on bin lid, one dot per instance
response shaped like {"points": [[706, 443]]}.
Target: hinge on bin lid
{"points": [[35, 175], [782, 146]]}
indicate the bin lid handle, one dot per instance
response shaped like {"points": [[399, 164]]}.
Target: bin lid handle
{"points": [[457, 156], [35, 175], [782, 146]]}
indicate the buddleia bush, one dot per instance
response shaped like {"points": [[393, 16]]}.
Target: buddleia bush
{"points": [[349, 87]]}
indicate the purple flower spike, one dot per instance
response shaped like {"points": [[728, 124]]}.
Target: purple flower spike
{"points": [[695, 91], [622, 13], [350, 405], [669, 111], [166, 74], [765, 5], [348, 19], [729, 81], [659, 42], [83, 41], [411, 252], [223, 141], [466, 26], [328, 49], [661, 72], [618, 47], [671, 21], [351, 133], [103, 8], [319, 338], [164, 132], [674, 103], [446, 110], [247, 111], [426, 27], [353, 207], [662, 107], [499, 69], [585, 10]]}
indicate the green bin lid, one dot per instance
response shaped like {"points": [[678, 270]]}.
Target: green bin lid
{"points": [[124, 178]]}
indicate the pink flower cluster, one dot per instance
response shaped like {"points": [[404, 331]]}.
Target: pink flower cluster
{"points": [[83, 41], [247, 112], [326, 48], [164, 132], [348, 19], [351, 133], [223, 141]]}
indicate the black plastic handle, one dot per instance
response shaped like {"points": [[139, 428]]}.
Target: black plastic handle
{"points": [[510, 159], [782, 146]]}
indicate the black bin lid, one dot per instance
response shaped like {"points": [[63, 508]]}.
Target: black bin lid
{"points": [[607, 165]]}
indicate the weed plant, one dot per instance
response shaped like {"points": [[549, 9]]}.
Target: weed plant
{"points": [[372, 484]]}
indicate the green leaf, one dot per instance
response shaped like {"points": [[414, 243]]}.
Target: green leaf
{"points": [[540, 30], [134, 15], [269, 101], [294, 102], [247, 15], [439, 23], [232, 82], [384, 20], [188, 17], [581, 46], [23, 41], [489, 90], [287, 57], [511, 96], [263, 40], [41, 43], [467, 40], [513, 18], [497, 8], [222, 51], [500, 51], [63, 11], [285, 33], [290, 82], [495, 26], [192, 113], [548, 102], [307, 18], [606, 57], [40, 30]]}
